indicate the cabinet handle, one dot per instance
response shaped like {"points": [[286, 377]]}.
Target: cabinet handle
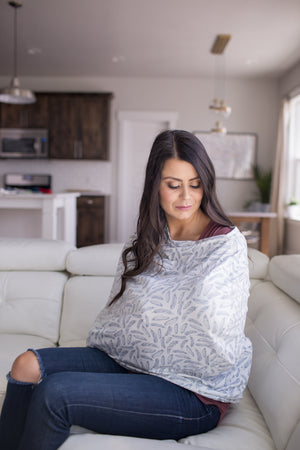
{"points": [[80, 149], [75, 149], [90, 202]]}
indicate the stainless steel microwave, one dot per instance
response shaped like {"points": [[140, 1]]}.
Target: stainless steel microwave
{"points": [[23, 143]]}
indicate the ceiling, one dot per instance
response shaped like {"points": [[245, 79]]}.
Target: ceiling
{"points": [[150, 38]]}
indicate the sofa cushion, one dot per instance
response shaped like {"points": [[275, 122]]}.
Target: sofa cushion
{"points": [[33, 254], [94, 260], [84, 297], [243, 427], [107, 442], [86, 293], [284, 271], [30, 303], [273, 326]]}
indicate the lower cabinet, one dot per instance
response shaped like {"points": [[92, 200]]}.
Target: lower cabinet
{"points": [[90, 220]]}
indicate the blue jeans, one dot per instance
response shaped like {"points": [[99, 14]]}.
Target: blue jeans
{"points": [[84, 386]]}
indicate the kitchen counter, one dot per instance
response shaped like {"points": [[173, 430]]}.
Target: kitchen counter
{"points": [[36, 195], [49, 206]]}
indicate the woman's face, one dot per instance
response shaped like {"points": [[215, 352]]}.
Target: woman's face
{"points": [[180, 190]]}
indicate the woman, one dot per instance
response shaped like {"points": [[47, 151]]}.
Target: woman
{"points": [[168, 354]]}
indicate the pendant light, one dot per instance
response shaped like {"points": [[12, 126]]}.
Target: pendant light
{"points": [[218, 105], [14, 93]]}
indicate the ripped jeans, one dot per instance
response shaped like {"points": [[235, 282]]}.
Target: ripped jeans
{"points": [[83, 386]]}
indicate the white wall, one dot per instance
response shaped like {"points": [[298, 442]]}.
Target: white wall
{"points": [[254, 102], [290, 81]]}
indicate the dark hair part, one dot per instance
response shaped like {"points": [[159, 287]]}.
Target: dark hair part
{"points": [[169, 144]]}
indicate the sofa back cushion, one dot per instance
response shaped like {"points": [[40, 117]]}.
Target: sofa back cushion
{"points": [[92, 272], [32, 280], [273, 325], [30, 303], [84, 297], [99, 260], [33, 254]]}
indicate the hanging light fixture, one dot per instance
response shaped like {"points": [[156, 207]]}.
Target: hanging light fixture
{"points": [[14, 93], [218, 105]]}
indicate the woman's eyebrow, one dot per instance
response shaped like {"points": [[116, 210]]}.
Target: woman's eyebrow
{"points": [[179, 179], [171, 178]]}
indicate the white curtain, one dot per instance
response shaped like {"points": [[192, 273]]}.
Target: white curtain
{"points": [[279, 179]]}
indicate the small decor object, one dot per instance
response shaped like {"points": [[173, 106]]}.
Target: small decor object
{"points": [[263, 181], [14, 94], [293, 209]]}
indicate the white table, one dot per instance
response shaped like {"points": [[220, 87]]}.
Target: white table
{"points": [[49, 205]]}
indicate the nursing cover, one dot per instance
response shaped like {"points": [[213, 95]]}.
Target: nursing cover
{"points": [[183, 318]]}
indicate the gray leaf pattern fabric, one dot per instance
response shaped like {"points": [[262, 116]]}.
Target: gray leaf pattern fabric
{"points": [[183, 318]]}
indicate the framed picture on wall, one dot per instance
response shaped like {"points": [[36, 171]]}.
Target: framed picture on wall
{"points": [[233, 154]]}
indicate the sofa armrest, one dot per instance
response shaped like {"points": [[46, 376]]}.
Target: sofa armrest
{"points": [[258, 264]]}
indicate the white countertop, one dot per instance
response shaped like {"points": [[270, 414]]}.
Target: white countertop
{"points": [[22, 194], [36, 200]]}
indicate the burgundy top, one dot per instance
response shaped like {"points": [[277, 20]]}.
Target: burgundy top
{"points": [[214, 229]]}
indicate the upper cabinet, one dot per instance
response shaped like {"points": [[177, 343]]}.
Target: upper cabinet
{"points": [[34, 115], [78, 124]]}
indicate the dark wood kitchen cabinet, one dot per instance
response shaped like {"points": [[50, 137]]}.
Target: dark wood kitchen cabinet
{"points": [[34, 115], [78, 123], [79, 126], [90, 220]]}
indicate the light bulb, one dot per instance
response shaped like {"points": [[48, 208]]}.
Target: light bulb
{"points": [[219, 128], [224, 109]]}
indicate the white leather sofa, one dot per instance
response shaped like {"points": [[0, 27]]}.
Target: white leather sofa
{"points": [[50, 293]]}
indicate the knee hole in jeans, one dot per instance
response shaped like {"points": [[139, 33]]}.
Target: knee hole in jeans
{"points": [[26, 368]]}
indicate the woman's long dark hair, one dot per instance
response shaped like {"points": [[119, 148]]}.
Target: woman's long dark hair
{"points": [[177, 144]]}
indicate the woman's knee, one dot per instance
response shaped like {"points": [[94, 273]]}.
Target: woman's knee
{"points": [[26, 368]]}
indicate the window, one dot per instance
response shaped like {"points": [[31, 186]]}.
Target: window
{"points": [[293, 166]]}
